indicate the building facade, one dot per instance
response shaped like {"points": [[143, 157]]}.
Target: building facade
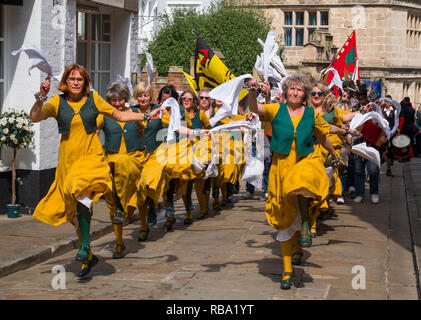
{"points": [[102, 35], [388, 37], [151, 12]]}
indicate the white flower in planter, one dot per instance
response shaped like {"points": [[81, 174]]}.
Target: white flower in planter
{"points": [[5, 130]]}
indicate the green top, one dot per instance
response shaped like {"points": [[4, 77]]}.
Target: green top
{"points": [[196, 122], [113, 133], [283, 132], [88, 113], [151, 133]]}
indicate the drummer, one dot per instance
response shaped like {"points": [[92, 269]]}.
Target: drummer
{"points": [[389, 114], [361, 165]]}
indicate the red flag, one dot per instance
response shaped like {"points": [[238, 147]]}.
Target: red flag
{"points": [[345, 60]]}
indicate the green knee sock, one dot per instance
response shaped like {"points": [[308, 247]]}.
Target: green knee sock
{"points": [[303, 205], [84, 219]]}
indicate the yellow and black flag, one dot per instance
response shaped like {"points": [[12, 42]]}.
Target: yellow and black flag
{"points": [[210, 71]]}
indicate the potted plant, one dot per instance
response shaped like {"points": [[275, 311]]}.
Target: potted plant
{"points": [[16, 133]]}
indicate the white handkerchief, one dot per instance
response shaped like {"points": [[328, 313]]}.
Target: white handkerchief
{"points": [[366, 152], [336, 78], [127, 82], [149, 68], [175, 116], [36, 57], [228, 92], [374, 116]]}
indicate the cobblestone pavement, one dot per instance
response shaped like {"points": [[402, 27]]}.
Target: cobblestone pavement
{"points": [[233, 255]]}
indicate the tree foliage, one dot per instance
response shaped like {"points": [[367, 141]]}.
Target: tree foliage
{"points": [[232, 29]]}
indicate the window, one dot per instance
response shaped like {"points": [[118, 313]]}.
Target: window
{"points": [[324, 18], [183, 6], [312, 18], [288, 36], [413, 32], [299, 18], [299, 37], [299, 25], [94, 47], [288, 18]]}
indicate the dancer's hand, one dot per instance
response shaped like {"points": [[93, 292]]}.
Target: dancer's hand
{"points": [[45, 87], [155, 113]]}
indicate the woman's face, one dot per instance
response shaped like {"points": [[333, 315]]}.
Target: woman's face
{"points": [[295, 94], [218, 103], [187, 100], [165, 96], [118, 103], [144, 99], [317, 96], [204, 100], [345, 95], [75, 83]]}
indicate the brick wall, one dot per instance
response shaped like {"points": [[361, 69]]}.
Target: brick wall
{"points": [[175, 77]]}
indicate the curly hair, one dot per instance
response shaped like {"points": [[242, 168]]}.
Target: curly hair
{"points": [[330, 99], [296, 79], [117, 90]]}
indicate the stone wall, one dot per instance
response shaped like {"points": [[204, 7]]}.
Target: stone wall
{"points": [[388, 47]]}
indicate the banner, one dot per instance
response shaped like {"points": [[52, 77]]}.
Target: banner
{"points": [[210, 71], [346, 60]]}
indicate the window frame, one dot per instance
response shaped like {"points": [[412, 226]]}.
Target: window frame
{"points": [[95, 70], [413, 31], [306, 26]]}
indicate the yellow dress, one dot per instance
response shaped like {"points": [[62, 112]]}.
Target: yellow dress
{"points": [[291, 175], [81, 169], [154, 177], [127, 168], [178, 157], [231, 155], [336, 188]]}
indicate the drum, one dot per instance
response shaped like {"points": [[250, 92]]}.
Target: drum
{"points": [[401, 146], [373, 133]]}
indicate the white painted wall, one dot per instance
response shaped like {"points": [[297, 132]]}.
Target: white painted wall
{"points": [[53, 29], [22, 26]]}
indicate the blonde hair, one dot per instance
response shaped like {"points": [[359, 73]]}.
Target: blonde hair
{"points": [[140, 89], [330, 99]]}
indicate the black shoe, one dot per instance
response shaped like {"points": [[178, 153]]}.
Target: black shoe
{"points": [[188, 221], [84, 272], [143, 235], [119, 254], [389, 172], [169, 223]]}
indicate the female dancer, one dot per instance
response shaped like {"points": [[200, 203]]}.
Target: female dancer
{"points": [[324, 102], [124, 153], [153, 178], [179, 170], [297, 179], [82, 175], [199, 121]]}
